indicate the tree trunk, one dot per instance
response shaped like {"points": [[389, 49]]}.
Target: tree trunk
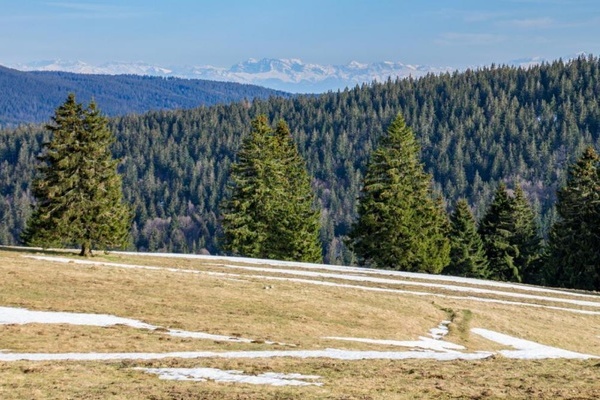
{"points": [[86, 250]]}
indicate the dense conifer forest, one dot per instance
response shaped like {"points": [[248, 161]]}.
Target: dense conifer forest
{"points": [[33, 96], [475, 128]]}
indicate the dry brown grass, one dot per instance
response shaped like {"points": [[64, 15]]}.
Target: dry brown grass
{"points": [[496, 378], [295, 313]]}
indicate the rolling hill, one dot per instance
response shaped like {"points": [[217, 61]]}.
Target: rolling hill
{"points": [[31, 97]]}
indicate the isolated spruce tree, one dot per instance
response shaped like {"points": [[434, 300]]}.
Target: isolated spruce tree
{"points": [[497, 232], [574, 242], [399, 226], [271, 211], [467, 254], [78, 191]]}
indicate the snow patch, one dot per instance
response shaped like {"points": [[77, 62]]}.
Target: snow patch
{"points": [[21, 316], [423, 343], [526, 349], [232, 376], [440, 331], [334, 354], [433, 343]]}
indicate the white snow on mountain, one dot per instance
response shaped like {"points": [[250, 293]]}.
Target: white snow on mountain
{"points": [[80, 67], [287, 74], [292, 75]]}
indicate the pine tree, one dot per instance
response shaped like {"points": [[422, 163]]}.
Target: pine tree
{"points": [[497, 232], [399, 225], [271, 211], [574, 259], [78, 190], [467, 254]]}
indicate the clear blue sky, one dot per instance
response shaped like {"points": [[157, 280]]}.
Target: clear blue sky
{"points": [[224, 32]]}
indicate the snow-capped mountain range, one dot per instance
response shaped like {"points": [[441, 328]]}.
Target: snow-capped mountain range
{"points": [[291, 75]]}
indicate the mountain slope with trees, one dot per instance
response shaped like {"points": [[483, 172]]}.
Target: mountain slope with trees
{"points": [[475, 129], [31, 97]]}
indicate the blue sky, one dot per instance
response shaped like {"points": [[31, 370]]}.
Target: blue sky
{"points": [[224, 32]]}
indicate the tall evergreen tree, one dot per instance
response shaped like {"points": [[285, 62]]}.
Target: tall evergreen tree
{"points": [[271, 212], [497, 232], [467, 254], [78, 190], [399, 225], [526, 238], [574, 259], [244, 218], [296, 220]]}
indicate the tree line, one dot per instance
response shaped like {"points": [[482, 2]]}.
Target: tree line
{"points": [[476, 129], [270, 210]]}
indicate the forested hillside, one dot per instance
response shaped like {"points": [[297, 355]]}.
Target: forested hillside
{"points": [[32, 96], [475, 128]]}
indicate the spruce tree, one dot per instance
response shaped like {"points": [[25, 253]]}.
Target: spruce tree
{"points": [[574, 259], [244, 219], [399, 226], [526, 238], [296, 220], [467, 254], [497, 232], [78, 190], [271, 211]]}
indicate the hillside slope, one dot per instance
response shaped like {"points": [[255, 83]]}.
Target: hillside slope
{"points": [[72, 327], [31, 97]]}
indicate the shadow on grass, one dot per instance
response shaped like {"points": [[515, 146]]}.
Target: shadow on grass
{"points": [[38, 250]]}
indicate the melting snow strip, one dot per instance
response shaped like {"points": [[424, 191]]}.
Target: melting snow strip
{"points": [[527, 349], [232, 376], [425, 343], [327, 353], [21, 316], [413, 283], [331, 284], [366, 271], [355, 278]]}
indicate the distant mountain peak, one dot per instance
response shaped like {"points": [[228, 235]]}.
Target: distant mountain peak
{"points": [[288, 74]]}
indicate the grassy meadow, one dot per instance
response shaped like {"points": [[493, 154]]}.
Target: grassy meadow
{"points": [[270, 302]]}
